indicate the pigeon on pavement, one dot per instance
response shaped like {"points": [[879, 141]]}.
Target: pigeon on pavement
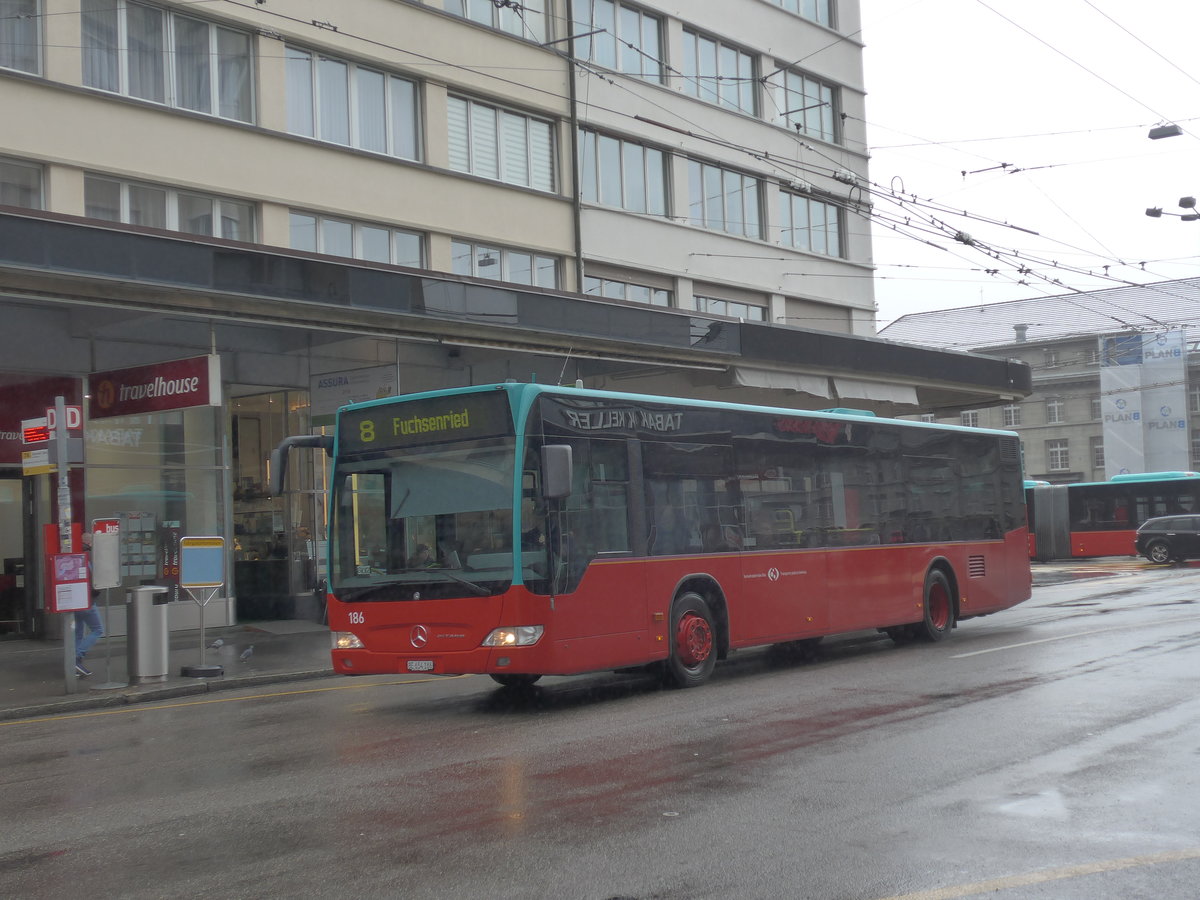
{"points": [[247, 653]]}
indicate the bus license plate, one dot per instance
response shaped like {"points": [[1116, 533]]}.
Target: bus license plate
{"points": [[420, 665]]}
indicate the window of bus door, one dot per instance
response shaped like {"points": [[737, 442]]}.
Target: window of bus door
{"points": [[594, 520], [431, 522]]}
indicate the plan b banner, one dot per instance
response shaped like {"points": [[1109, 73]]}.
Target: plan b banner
{"points": [[1143, 402]]}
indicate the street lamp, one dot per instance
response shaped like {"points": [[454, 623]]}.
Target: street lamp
{"points": [[1188, 203], [1158, 132]]}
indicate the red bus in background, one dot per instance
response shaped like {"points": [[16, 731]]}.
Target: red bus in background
{"points": [[1101, 518], [521, 530]]}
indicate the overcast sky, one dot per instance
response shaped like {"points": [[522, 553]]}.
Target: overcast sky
{"points": [[1065, 93]]}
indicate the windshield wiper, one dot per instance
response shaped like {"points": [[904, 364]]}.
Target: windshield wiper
{"points": [[477, 590]]}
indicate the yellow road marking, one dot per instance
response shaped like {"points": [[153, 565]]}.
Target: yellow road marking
{"points": [[1016, 881], [148, 705]]}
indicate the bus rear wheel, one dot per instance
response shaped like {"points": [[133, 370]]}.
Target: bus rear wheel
{"points": [[515, 680], [693, 642], [939, 608]]}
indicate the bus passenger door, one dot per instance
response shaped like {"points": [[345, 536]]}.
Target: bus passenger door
{"points": [[600, 618]]}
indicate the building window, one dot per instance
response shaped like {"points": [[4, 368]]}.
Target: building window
{"points": [[1012, 415], [155, 206], [526, 19], [724, 200], [20, 184], [626, 38], [819, 11], [503, 264], [156, 55], [359, 240], [1097, 452], [500, 144], [927, 417], [20, 28], [1194, 397], [624, 290], [808, 224], [1050, 358], [969, 419], [1097, 411], [807, 105], [734, 309], [1056, 410], [344, 103], [718, 73], [1058, 457], [623, 174], [1195, 448]]}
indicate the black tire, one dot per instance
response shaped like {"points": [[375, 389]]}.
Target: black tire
{"points": [[515, 680], [938, 606], [1159, 552], [693, 638]]}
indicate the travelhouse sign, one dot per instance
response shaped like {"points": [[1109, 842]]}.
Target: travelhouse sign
{"points": [[178, 384]]}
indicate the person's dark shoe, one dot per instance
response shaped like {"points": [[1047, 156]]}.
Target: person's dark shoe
{"points": [[81, 670]]}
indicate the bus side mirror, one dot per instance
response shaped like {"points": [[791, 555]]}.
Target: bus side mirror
{"points": [[279, 456], [556, 471]]}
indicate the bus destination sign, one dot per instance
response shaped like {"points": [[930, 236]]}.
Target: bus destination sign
{"points": [[434, 420]]}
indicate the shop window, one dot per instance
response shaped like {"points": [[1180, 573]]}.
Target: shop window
{"points": [[278, 542]]}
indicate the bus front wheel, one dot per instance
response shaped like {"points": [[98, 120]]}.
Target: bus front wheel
{"points": [[693, 642], [939, 607]]}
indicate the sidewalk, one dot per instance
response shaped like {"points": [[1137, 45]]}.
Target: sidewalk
{"points": [[32, 681]]}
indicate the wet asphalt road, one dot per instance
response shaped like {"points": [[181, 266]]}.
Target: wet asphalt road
{"points": [[1047, 751]]}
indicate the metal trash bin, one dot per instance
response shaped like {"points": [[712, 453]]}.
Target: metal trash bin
{"points": [[147, 642]]}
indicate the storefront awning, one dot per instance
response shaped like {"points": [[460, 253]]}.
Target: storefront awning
{"points": [[816, 385], [853, 388]]}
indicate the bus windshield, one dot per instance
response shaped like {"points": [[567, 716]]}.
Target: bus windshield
{"points": [[426, 522]]}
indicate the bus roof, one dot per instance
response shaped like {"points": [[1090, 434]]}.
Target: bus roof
{"points": [[524, 393], [1154, 476]]}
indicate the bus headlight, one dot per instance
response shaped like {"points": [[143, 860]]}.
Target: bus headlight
{"points": [[345, 640], [517, 636]]}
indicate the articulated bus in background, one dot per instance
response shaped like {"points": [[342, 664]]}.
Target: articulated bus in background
{"points": [[1101, 518], [521, 530]]}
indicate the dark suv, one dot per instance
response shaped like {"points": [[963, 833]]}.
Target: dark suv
{"points": [[1169, 538]]}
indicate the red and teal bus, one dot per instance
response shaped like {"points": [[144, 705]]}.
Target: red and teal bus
{"points": [[521, 530], [1087, 519]]}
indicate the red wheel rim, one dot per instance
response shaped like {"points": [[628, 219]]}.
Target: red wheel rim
{"points": [[693, 640], [939, 606]]}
